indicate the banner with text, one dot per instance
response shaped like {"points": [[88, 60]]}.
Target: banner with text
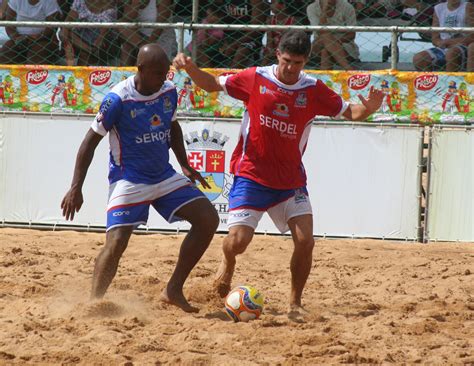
{"points": [[410, 97]]}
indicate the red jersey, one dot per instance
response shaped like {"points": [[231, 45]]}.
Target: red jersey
{"points": [[276, 124]]}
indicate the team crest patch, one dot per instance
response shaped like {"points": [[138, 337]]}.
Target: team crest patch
{"points": [[301, 100], [167, 105], [300, 196], [206, 154]]}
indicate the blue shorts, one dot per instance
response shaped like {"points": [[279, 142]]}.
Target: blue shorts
{"points": [[438, 56], [129, 203], [248, 201]]}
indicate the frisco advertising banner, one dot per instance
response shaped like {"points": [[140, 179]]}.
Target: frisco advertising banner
{"points": [[410, 97]]}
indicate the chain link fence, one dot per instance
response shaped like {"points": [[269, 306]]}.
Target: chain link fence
{"points": [[213, 47], [75, 36]]}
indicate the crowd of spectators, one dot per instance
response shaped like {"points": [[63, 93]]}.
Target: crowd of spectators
{"points": [[225, 47]]}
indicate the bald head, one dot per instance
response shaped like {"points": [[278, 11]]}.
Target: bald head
{"points": [[152, 54], [153, 66]]}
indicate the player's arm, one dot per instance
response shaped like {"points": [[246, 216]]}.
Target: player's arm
{"points": [[73, 199], [360, 112], [177, 145], [201, 78]]}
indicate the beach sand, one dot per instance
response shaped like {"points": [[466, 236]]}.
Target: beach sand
{"points": [[368, 301]]}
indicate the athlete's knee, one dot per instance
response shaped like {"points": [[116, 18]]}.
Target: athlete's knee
{"points": [[305, 244], [116, 241], [238, 240], [205, 219]]}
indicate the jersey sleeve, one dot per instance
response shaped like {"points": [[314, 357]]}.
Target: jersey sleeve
{"points": [[240, 85], [108, 115], [327, 102]]}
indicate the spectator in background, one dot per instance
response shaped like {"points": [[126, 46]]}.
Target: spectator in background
{"points": [[93, 46], [450, 50], [333, 47], [209, 41], [242, 48], [280, 16], [159, 11], [27, 44], [3, 9]]}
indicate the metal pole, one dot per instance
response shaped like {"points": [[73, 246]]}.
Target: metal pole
{"points": [[181, 38], [194, 20], [394, 46], [426, 232], [420, 186]]}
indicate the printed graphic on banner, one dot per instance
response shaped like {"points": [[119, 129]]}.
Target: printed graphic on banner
{"points": [[9, 90], [394, 106], [206, 154], [410, 97], [194, 101], [449, 96]]}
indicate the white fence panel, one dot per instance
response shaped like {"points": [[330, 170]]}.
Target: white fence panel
{"points": [[363, 181], [450, 213]]}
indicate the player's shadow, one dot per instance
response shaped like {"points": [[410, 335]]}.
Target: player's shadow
{"points": [[218, 315]]}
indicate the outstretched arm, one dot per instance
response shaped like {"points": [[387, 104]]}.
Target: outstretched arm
{"points": [[201, 78], [177, 145], [360, 112], [73, 200]]}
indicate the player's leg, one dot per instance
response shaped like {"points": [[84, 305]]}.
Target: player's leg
{"points": [[301, 261], [127, 208], [235, 243], [108, 259], [295, 214], [204, 221]]}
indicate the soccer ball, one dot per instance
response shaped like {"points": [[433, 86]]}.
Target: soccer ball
{"points": [[244, 303]]}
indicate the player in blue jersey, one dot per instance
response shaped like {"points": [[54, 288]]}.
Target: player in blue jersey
{"points": [[140, 116]]}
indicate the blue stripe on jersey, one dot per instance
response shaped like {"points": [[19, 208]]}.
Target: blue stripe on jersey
{"points": [[245, 193], [139, 132]]}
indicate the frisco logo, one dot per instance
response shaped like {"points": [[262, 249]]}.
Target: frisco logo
{"points": [[358, 82], [100, 77], [426, 82], [36, 76]]}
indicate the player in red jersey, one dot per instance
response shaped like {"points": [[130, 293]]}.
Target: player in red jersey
{"points": [[280, 104]]}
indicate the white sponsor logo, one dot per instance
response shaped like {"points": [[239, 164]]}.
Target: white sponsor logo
{"points": [[274, 124], [158, 136], [121, 213]]}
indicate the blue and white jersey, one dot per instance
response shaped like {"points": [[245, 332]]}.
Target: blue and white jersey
{"points": [[139, 131]]}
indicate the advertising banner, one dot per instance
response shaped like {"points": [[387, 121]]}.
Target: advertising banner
{"points": [[410, 97]]}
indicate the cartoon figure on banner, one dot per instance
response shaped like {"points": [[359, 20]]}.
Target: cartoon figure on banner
{"points": [[386, 105], [451, 99], [186, 95], [206, 154], [2, 92], [71, 91], [464, 98], [395, 99], [59, 92], [6, 90], [198, 97]]}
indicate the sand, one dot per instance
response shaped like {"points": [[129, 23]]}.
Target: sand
{"points": [[368, 301]]}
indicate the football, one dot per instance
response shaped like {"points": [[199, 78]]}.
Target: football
{"points": [[244, 303]]}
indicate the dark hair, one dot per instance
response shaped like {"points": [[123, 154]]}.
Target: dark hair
{"points": [[295, 42]]}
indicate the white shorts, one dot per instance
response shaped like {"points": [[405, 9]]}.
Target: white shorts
{"points": [[280, 214]]}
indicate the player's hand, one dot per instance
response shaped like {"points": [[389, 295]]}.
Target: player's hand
{"points": [[181, 61], [374, 99], [72, 203], [194, 175]]}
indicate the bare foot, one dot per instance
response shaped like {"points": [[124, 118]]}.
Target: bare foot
{"points": [[178, 300], [297, 313], [224, 278]]}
